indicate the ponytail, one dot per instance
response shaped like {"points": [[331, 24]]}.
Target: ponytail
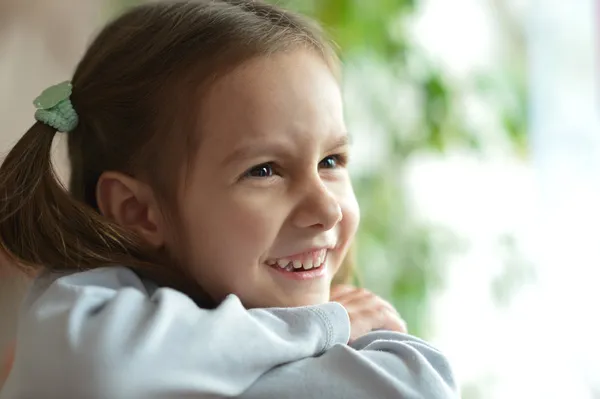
{"points": [[42, 224]]}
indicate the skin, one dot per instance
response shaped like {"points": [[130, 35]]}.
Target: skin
{"points": [[367, 311]]}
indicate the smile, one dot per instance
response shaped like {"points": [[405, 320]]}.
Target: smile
{"points": [[302, 266]]}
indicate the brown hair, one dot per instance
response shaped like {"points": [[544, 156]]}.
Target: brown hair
{"points": [[130, 91]]}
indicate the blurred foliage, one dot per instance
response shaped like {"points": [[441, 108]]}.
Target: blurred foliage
{"points": [[516, 273], [399, 256]]}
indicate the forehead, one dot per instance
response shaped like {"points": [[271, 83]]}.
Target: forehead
{"points": [[293, 95]]}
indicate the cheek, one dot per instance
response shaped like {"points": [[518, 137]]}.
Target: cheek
{"points": [[351, 218], [252, 224], [222, 245], [224, 231], [350, 209]]}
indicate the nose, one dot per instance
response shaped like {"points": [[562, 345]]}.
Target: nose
{"points": [[318, 209]]}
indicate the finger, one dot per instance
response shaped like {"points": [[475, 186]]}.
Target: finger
{"points": [[381, 315], [359, 298], [341, 291], [375, 300], [395, 323], [358, 304], [363, 303], [342, 288], [390, 307], [368, 320]]}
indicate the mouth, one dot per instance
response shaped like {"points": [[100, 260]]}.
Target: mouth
{"points": [[303, 266]]}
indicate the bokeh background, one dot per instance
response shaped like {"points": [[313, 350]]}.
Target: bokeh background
{"points": [[476, 127]]}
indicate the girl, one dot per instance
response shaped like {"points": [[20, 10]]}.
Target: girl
{"points": [[208, 211]]}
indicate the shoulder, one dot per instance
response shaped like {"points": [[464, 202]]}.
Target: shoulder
{"points": [[105, 279], [69, 318]]}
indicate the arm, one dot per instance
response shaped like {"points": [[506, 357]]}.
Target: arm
{"points": [[99, 334], [378, 365]]}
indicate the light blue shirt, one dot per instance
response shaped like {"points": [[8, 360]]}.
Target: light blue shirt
{"points": [[108, 334]]}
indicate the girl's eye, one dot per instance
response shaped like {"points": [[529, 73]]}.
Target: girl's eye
{"points": [[332, 162], [261, 171]]}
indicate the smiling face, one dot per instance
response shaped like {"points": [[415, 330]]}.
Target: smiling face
{"points": [[268, 211]]}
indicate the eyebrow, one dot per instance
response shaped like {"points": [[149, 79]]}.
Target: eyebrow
{"points": [[342, 141], [253, 150]]}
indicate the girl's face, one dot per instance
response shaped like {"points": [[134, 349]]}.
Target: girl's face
{"points": [[268, 211]]}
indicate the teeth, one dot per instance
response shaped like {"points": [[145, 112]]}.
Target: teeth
{"points": [[321, 258], [297, 264], [308, 264]]}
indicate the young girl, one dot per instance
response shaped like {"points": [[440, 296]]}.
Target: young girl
{"points": [[209, 210]]}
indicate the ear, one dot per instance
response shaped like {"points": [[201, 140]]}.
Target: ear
{"points": [[131, 204]]}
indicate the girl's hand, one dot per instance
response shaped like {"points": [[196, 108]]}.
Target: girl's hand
{"points": [[367, 311]]}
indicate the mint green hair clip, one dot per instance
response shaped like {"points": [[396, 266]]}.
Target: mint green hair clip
{"points": [[54, 108]]}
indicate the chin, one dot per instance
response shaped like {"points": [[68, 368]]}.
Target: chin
{"points": [[290, 302], [307, 300]]}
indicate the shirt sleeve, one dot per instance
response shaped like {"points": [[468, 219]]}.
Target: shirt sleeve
{"points": [[99, 334], [383, 365]]}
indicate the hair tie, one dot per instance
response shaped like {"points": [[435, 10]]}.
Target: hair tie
{"points": [[54, 108]]}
